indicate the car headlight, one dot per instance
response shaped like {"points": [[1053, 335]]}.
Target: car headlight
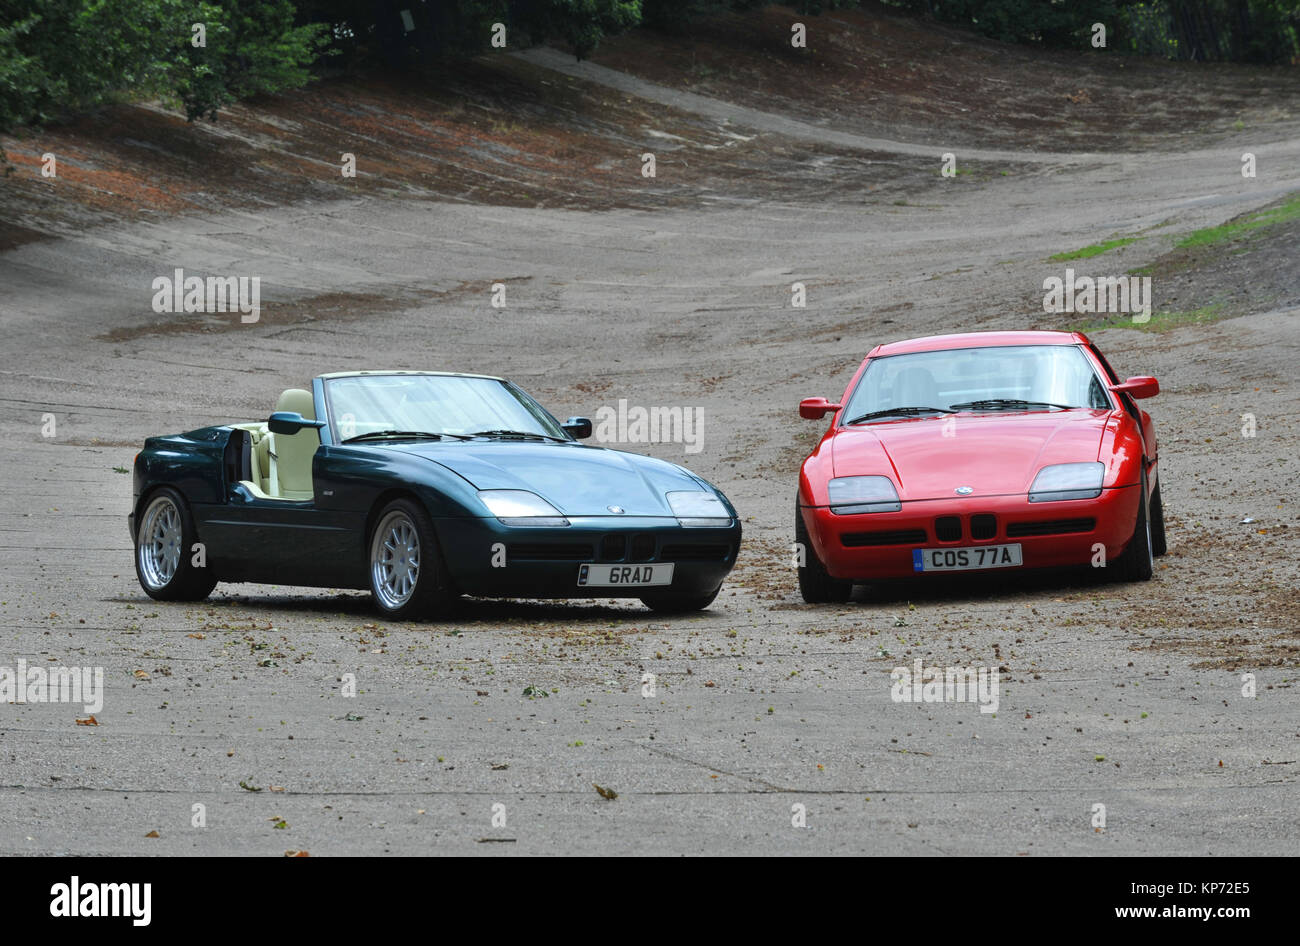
{"points": [[1063, 481], [518, 507], [850, 495], [698, 510]]}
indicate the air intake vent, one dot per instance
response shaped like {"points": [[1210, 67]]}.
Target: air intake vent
{"points": [[613, 547], [855, 540], [548, 552], [695, 553], [1016, 530], [947, 529], [983, 526], [643, 548]]}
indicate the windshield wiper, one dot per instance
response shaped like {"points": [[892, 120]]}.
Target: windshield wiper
{"points": [[1008, 404], [395, 434], [516, 433], [900, 412]]}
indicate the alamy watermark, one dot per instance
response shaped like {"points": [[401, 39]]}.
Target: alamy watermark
{"points": [[23, 684], [1128, 294], [624, 424], [921, 684], [181, 293], [132, 900]]}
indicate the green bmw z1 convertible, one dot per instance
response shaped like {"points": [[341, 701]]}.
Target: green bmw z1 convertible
{"points": [[422, 486]]}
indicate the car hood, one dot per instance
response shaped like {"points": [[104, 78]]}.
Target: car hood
{"points": [[993, 454], [576, 479]]}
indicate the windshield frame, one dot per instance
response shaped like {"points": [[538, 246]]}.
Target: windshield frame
{"points": [[845, 415], [543, 416]]}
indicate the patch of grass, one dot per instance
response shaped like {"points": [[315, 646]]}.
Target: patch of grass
{"points": [[1164, 320], [1289, 210], [1095, 249]]}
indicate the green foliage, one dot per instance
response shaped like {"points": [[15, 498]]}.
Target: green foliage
{"points": [[1238, 30], [1287, 211], [59, 56], [579, 23], [676, 15], [251, 47], [1049, 22], [1095, 249], [429, 34]]}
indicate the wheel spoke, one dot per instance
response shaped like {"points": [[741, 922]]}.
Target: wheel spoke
{"points": [[159, 546], [395, 560]]}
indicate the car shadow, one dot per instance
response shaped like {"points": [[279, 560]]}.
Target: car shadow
{"points": [[359, 605], [983, 586]]}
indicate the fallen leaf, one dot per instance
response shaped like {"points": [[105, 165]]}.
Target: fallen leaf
{"points": [[153, 834], [92, 721], [606, 793]]}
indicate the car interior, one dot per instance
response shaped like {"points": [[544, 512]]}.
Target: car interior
{"points": [[276, 466]]}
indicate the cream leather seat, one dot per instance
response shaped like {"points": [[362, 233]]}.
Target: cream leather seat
{"points": [[290, 455]]}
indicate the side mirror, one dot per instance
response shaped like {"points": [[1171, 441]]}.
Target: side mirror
{"points": [[579, 428], [815, 408], [289, 423], [1139, 387]]}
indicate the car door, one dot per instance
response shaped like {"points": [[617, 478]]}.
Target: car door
{"points": [[261, 538]]}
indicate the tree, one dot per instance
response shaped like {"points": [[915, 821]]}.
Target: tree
{"points": [[250, 47]]}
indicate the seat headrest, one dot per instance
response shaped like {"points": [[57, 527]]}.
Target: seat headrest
{"points": [[298, 401]]}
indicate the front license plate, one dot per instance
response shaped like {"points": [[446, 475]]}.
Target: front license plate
{"points": [[955, 560], [617, 576]]}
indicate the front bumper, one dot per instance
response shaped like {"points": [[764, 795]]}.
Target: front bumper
{"points": [[1051, 535], [487, 558]]}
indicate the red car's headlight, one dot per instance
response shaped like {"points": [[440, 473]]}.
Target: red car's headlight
{"points": [[1063, 481], [850, 495]]}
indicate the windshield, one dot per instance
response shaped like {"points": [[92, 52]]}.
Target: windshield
{"points": [[436, 404], [1033, 377]]}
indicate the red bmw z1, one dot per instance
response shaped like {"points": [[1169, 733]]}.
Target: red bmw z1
{"points": [[982, 451]]}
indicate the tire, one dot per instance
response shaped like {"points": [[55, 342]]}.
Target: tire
{"points": [[1137, 563], [678, 602], [1158, 544], [164, 537], [815, 583], [404, 564]]}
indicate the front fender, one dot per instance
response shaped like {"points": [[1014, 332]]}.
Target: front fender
{"points": [[351, 479]]}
